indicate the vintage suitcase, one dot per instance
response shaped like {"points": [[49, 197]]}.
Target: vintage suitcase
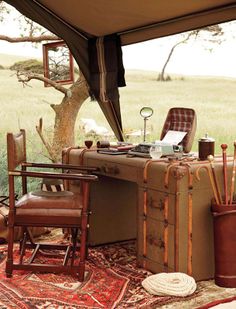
{"points": [[162, 202], [175, 229]]}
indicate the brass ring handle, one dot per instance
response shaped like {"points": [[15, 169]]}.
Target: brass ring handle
{"points": [[155, 242], [152, 204]]}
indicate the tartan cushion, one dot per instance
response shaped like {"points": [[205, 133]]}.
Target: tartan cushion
{"points": [[181, 126], [179, 119]]}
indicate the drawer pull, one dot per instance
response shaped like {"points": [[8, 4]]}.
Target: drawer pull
{"points": [[153, 204], [112, 170], [155, 242]]}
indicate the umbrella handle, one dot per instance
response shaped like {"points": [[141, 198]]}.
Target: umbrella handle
{"points": [[211, 181]]}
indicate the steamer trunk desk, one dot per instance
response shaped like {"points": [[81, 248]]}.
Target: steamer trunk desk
{"points": [[159, 203]]}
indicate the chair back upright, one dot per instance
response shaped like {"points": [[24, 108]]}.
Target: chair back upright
{"points": [[16, 156], [16, 149], [181, 119]]}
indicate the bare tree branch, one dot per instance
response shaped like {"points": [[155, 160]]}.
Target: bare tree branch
{"points": [[73, 98], [161, 76], [216, 32], [25, 77], [31, 39], [39, 129]]}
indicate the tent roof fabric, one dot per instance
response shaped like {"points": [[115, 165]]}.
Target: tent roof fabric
{"points": [[137, 21]]}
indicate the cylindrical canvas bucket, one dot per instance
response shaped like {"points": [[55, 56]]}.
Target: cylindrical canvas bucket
{"points": [[224, 218]]}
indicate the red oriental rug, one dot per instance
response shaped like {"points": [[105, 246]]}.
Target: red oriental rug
{"points": [[230, 302], [112, 281]]}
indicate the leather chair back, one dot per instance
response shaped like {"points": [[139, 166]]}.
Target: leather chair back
{"points": [[16, 149], [181, 119]]}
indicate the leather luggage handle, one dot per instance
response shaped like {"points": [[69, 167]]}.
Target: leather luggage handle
{"points": [[112, 170]]}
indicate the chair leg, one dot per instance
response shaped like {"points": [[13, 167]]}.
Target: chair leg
{"points": [[83, 246], [9, 262], [67, 255], [30, 236], [81, 271], [74, 234], [22, 246]]}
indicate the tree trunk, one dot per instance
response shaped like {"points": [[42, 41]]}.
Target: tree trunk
{"points": [[161, 76], [65, 117]]}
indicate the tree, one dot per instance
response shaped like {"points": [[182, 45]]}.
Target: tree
{"points": [[214, 36], [67, 110]]}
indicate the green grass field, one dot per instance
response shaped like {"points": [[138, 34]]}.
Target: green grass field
{"points": [[212, 98]]}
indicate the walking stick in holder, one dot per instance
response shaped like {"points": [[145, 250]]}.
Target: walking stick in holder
{"points": [[213, 186], [233, 176], [224, 147], [216, 185]]}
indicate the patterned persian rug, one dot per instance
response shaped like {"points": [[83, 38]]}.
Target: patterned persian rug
{"points": [[112, 281]]}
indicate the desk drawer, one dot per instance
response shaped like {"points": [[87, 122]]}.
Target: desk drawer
{"points": [[159, 242], [160, 205], [115, 170], [152, 265]]}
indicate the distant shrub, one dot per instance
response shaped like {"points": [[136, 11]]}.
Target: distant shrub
{"points": [[162, 78], [32, 65], [168, 78], [1, 67]]}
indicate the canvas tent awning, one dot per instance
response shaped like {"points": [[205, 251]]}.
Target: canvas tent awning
{"points": [[96, 30], [137, 21]]}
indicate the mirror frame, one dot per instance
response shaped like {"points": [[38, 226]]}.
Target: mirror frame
{"points": [[46, 49], [146, 108]]}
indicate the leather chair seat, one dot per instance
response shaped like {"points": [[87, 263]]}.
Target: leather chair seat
{"points": [[55, 209]]}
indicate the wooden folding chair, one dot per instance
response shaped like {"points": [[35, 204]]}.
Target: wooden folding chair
{"points": [[64, 210]]}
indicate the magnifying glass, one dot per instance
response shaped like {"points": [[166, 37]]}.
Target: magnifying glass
{"points": [[145, 112]]}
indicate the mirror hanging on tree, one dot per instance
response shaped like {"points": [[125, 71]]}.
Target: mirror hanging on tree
{"points": [[58, 63]]}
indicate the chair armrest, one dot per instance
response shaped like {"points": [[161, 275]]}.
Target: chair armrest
{"points": [[62, 166], [83, 177]]}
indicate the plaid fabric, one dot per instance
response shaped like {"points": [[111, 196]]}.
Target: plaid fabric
{"points": [[179, 119]]}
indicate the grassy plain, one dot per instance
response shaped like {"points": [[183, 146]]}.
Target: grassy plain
{"points": [[213, 98]]}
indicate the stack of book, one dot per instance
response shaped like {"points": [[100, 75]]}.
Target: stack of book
{"points": [[121, 148]]}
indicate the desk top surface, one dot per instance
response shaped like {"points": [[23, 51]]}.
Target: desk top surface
{"points": [[161, 174], [141, 162]]}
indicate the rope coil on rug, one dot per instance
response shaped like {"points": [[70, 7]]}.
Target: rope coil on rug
{"points": [[174, 284]]}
